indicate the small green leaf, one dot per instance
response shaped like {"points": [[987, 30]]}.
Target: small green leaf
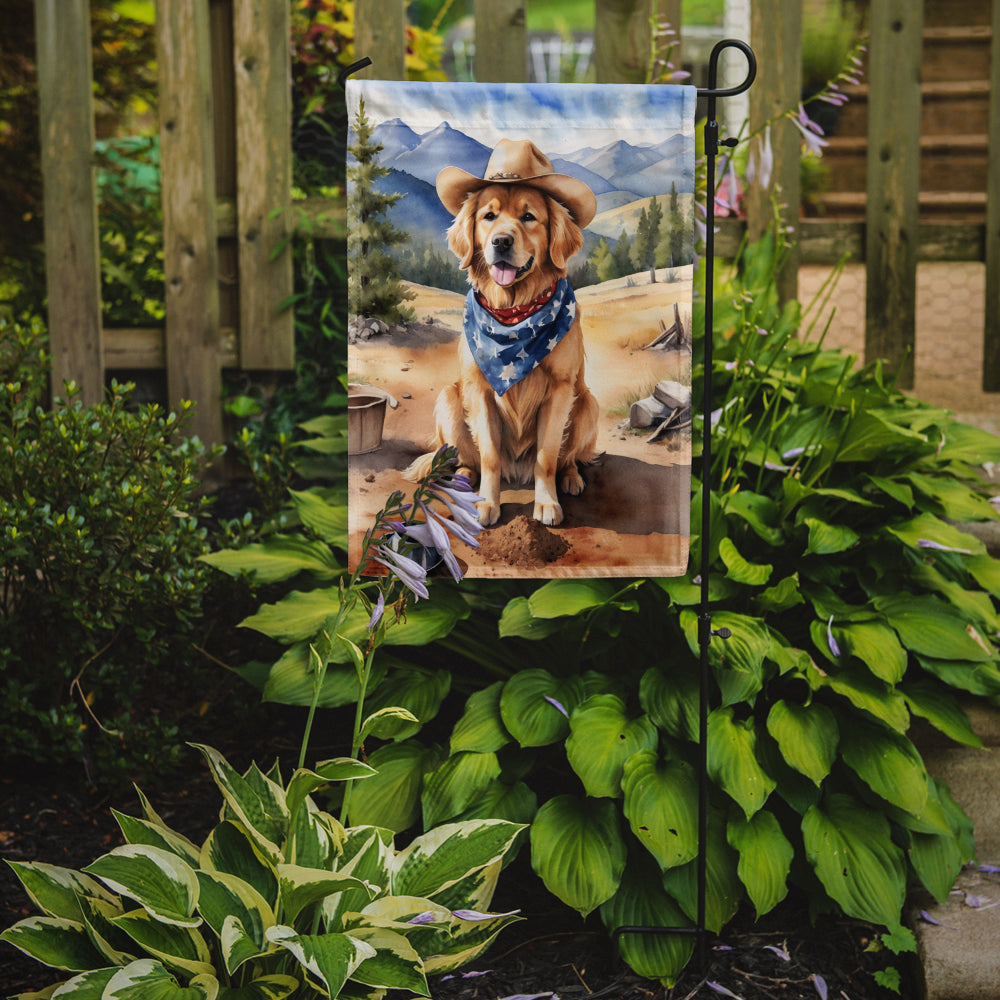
{"points": [[939, 706], [279, 558], [888, 763], [560, 598], [732, 760], [739, 569], [765, 858], [517, 620], [481, 727], [828, 539], [535, 706], [807, 736]]}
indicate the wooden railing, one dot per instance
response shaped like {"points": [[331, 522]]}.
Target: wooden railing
{"points": [[226, 156]]}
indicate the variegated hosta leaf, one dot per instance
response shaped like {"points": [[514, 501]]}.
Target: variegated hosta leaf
{"points": [[476, 890], [395, 964], [888, 763], [225, 897], [535, 706], [56, 891], [54, 941], [456, 784], [602, 737], [230, 849], [467, 940], [850, 847], [723, 889], [274, 987], [99, 915], [329, 959], [391, 799], [300, 887], [158, 880], [578, 851], [147, 979], [315, 838], [86, 986], [732, 760], [765, 858], [481, 727], [141, 831], [367, 853], [177, 947], [807, 736], [441, 857], [642, 902], [256, 801], [661, 805]]}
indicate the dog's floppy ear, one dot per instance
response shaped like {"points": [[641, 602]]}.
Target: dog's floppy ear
{"points": [[565, 237], [461, 236]]}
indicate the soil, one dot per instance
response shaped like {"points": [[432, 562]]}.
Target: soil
{"points": [[523, 542]]}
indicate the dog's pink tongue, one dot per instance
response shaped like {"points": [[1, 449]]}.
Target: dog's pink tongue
{"points": [[503, 274]]}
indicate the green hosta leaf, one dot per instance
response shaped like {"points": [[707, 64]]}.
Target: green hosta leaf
{"points": [[301, 887], [275, 987], [765, 858], [330, 959], [738, 661], [395, 964], [230, 849], [279, 558], [177, 947], [159, 881], [783, 595], [327, 520], [828, 539], [876, 646], [957, 501], [723, 889], [578, 851], [738, 569], [671, 700], [304, 782], [888, 763], [893, 488], [937, 857], [976, 678], [297, 616], [866, 692], [291, 680], [226, 898], [260, 809], [417, 690], [56, 891], [142, 831], [147, 979], [387, 723], [965, 443], [986, 571], [441, 857], [732, 760], [54, 941], [928, 528], [758, 511], [850, 848], [807, 736], [941, 709], [391, 798], [602, 738], [481, 728], [641, 901], [661, 799], [976, 605], [528, 711], [931, 628], [456, 784], [517, 620], [684, 593], [516, 803], [559, 598], [869, 436]]}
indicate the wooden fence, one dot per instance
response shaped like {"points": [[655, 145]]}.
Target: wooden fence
{"points": [[226, 161]]}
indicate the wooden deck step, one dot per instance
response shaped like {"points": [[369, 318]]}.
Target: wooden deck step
{"points": [[945, 104], [957, 206]]}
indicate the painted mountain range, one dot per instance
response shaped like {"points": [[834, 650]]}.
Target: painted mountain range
{"points": [[619, 173]]}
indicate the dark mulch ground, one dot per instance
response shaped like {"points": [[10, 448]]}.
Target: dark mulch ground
{"points": [[551, 951]]}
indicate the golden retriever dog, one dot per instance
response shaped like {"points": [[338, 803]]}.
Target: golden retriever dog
{"points": [[533, 419]]}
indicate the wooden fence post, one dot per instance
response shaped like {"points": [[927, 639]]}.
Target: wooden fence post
{"points": [[621, 40], [991, 331], [893, 183], [380, 34], [776, 34], [501, 37], [190, 251], [72, 255], [261, 56]]}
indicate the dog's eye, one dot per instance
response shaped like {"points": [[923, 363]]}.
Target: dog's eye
{"points": [[489, 216], [528, 217]]}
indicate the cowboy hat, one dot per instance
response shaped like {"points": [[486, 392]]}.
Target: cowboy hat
{"points": [[518, 161]]}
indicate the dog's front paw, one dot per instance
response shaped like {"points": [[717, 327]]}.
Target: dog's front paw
{"points": [[489, 512], [572, 482], [548, 513]]}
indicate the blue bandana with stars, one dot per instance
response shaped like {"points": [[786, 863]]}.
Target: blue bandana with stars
{"points": [[507, 353]]}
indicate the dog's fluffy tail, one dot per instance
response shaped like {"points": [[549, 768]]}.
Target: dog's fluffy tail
{"points": [[419, 468]]}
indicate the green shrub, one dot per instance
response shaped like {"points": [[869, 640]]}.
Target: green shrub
{"points": [[99, 546], [279, 900]]}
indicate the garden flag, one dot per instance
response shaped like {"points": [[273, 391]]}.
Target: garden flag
{"points": [[520, 281]]}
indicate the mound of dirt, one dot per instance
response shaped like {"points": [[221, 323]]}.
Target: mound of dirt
{"points": [[523, 542]]}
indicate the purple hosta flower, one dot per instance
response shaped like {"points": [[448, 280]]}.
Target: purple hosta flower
{"points": [[558, 705], [927, 918], [989, 869], [408, 571], [427, 917], [465, 975], [531, 996], [719, 988], [927, 543], [431, 534], [761, 162], [475, 915], [834, 648], [727, 198], [780, 952], [811, 132], [464, 523], [377, 612], [820, 983]]}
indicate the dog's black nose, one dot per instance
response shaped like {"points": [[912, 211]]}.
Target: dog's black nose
{"points": [[503, 241]]}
